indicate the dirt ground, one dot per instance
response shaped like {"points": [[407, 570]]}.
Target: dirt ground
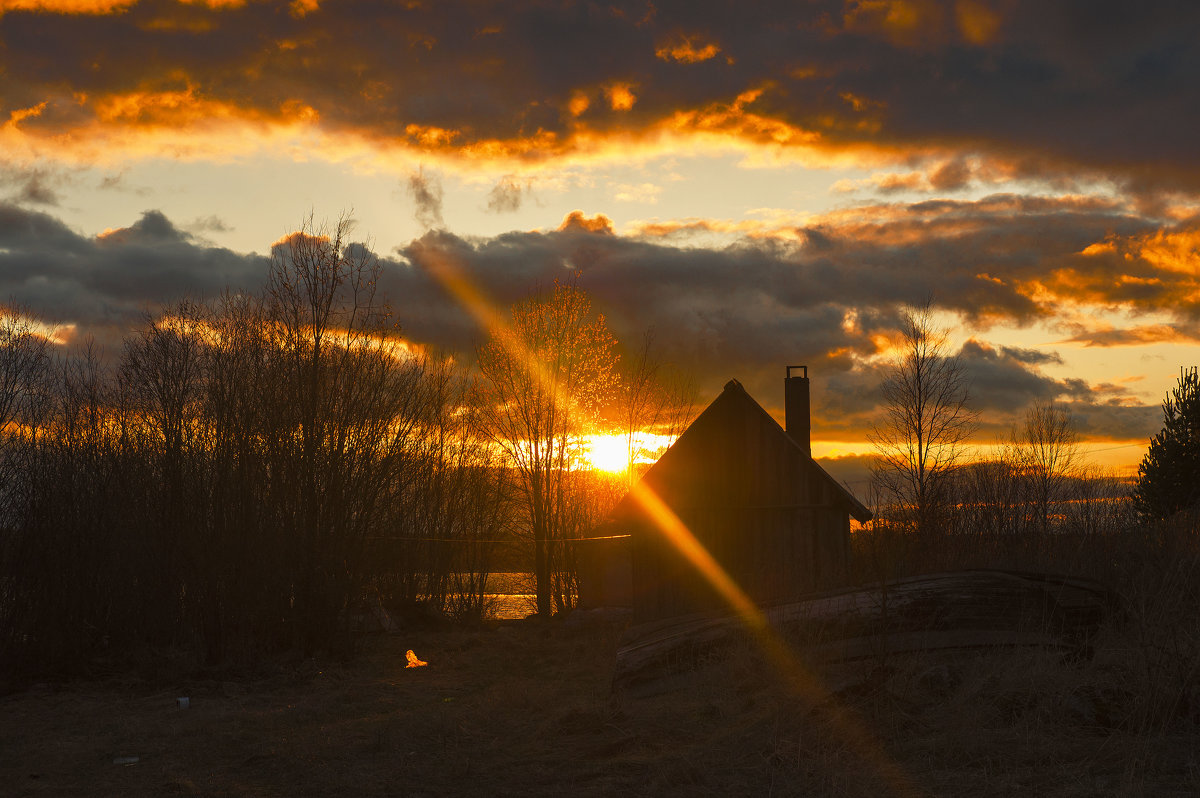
{"points": [[528, 709]]}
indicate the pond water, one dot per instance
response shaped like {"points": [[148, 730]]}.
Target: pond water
{"points": [[512, 595]]}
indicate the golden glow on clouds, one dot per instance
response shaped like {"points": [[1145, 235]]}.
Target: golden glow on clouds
{"points": [[595, 224], [183, 122], [1099, 248], [620, 96], [67, 6], [578, 103], [687, 50], [780, 229], [1173, 251], [21, 114], [170, 109], [430, 137], [216, 5], [1106, 335]]}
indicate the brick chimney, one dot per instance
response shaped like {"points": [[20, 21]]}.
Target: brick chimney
{"points": [[795, 408]]}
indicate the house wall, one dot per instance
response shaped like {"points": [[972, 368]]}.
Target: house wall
{"points": [[605, 570], [754, 501]]}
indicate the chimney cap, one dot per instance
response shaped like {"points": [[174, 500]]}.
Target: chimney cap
{"points": [[804, 369]]}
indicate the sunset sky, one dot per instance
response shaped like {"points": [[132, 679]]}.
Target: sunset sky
{"points": [[763, 184]]}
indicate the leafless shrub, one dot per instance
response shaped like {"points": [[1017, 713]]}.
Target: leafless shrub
{"points": [[248, 472]]}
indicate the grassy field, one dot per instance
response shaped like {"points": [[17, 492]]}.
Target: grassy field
{"points": [[527, 709]]}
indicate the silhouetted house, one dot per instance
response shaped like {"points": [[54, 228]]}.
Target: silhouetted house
{"points": [[752, 496]]}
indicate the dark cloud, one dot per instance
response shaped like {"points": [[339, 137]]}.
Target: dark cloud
{"points": [[153, 229], [116, 182], [426, 193], [209, 224], [37, 191], [1048, 89], [506, 196], [1003, 379], [34, 185], [105, 284], [951, 175], [748, 309], [745, 311]]}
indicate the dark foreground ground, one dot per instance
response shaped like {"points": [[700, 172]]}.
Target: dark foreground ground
{"points": [[527, 709]]}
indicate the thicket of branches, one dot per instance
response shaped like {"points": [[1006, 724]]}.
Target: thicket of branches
{"points": [[1030, 504], [247, 475], [265, 473]]}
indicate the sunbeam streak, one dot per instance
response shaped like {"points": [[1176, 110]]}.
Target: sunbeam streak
{"points": [[452, 277], [796, 676]]}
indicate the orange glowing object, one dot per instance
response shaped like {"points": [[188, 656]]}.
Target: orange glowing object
{"points": [[413, 661]]}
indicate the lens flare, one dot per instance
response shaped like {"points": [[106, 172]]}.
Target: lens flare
{"points": [[796, 676]]}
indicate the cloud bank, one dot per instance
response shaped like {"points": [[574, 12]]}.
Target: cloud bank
{"points": [[1064, 91], [826, 294]]}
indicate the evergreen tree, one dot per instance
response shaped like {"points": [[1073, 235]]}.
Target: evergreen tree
{"points": [[1169, 476]]}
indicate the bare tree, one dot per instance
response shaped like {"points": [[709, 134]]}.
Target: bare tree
{"points": [[346, 395], [1046, 448], [919, 441], [24, 361], [549, 371], [24, 396]]}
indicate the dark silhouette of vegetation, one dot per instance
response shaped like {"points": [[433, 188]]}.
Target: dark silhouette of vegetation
{"points": [[919, 441], [255, 475], [1169, 475], [275, 472]]}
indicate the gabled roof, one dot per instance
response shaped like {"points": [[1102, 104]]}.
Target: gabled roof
{"points": [[734, 398], [857, 508]]}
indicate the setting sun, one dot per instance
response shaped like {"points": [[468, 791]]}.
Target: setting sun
{"points": [[608, 452]]}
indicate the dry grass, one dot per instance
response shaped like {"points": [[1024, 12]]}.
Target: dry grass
{"points": [[527, 709]]}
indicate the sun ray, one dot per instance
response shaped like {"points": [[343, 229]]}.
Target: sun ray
{"points": [[797, 677]]}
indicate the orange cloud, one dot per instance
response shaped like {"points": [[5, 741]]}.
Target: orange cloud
{"points": [[218, 5], [1174, 251], [780, 230], [576, 220], [620, 96], [67, 6], [1107, 335], [843, 86], [686, 49], [21, 114], [578, 103]]}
